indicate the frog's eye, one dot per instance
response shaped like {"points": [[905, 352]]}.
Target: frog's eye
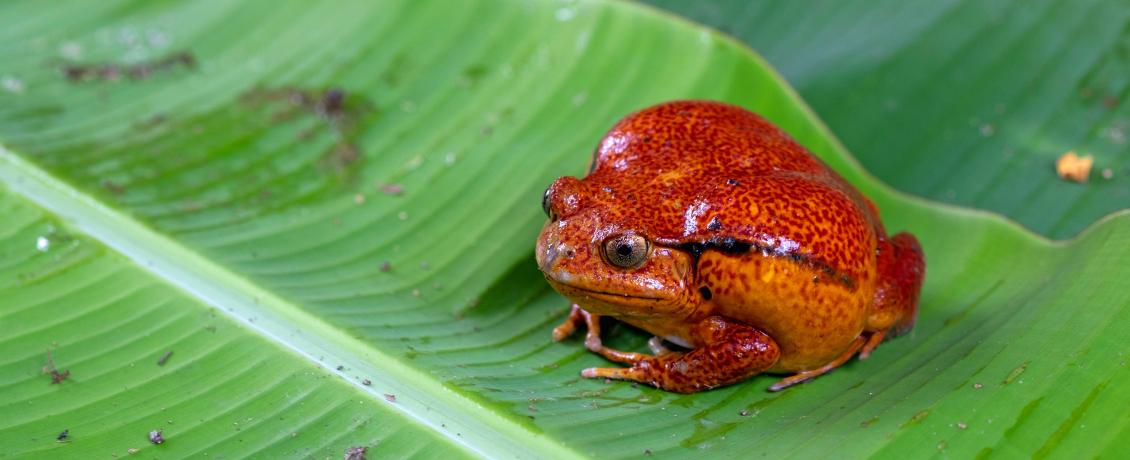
{"points": [[545, 203], [625, 251]]}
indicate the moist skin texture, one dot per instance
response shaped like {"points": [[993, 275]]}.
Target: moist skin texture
{"points": [[746, 250]]}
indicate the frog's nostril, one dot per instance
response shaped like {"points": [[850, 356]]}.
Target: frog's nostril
{"points": [[550, 256]]}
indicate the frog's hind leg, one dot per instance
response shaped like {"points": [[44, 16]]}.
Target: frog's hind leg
{"points": [[804, 376], [730, 352], [902, 267]]}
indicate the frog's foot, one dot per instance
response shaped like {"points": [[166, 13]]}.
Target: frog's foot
{"points": [[873, 341], [578, 316], [804, 376], [731, 353]]}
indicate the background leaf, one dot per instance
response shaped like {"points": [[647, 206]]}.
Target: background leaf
{"points": [[963, 101], [392, 237]]}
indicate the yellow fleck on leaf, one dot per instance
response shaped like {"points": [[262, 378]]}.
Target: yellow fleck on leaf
{"points": [[1073, 167]]}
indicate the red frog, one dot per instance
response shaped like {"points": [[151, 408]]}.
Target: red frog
{"points": [[708, 227]]}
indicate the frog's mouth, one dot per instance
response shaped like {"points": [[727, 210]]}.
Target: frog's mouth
{"points": [[608, 295], [575, 292]]}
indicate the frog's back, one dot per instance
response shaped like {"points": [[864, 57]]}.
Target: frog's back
{"points": [[712, 174]]}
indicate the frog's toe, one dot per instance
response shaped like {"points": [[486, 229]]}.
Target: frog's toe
{"points": [[804, 376], [577, 317], [603, 372], [872, 341], [615, 373], [593, 343]]}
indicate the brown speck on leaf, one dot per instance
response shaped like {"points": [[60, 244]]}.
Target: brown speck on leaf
{"points": [[151, 121], [164, 358], [1107, 173], [139, 71], [1015, 373], [390, 397], [63, 435], [342, 156], [385, 267], [338, 112], [49, 368], [1110, 101], [331, 103], [962, 425], [156, 437], [366, 382], [1072, 167], [391, 189], [415, 293], [112, 187], [647, 452], [355, 453], [359, 198], [978, 386]]}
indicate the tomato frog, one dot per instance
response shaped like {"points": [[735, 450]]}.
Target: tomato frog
{"points": [[708, 227]]}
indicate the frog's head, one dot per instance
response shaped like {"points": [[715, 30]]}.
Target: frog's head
{"points": [[605, 264]]}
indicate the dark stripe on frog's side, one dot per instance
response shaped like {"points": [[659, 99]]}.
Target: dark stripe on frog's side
{"points": [[735, 246]]}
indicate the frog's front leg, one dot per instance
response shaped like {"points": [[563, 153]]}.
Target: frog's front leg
{"points": [[729, 353], [578, 316]]}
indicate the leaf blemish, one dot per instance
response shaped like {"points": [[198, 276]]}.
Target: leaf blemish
{"points": [[1015, 373]]}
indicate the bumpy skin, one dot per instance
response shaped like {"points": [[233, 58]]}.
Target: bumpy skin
{"points": [[760, 257]]}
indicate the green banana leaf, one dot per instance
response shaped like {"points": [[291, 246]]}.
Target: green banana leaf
{"points": [[285, 229], [963, 101]]}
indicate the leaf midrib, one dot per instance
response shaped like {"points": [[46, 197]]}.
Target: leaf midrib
{"points": [[459, 419]]}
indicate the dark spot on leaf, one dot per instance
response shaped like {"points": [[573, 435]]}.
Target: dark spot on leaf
{"points": [[49, 368], [139, 71], [392, 189], [356, 453], [112, 187]]}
